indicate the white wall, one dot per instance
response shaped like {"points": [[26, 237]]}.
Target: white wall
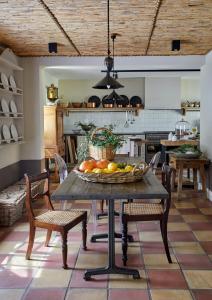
{"points": [[190, 89], [81, 90]]}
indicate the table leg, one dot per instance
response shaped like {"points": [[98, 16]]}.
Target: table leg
{"points": [[111, 268], [180, 181], [203, 179], [195, 179]]}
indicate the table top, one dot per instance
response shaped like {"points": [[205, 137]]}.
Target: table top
{"points": [[179, 142], [74, 188]]}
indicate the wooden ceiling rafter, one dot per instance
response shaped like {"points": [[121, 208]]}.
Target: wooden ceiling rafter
{"points": [[54, 18], [158, 5]]}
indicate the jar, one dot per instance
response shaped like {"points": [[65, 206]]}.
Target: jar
{"points": [[182, 128]]}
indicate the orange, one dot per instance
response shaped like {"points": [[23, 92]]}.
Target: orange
{"points": [[86, 165], [102, 164]]}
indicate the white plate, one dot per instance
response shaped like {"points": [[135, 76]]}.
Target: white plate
{"points": [[12, 83], [14, 132], [6, 133], [13, 108], [4, 81], [5, 107]]}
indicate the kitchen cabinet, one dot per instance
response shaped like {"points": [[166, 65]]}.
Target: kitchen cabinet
{"points": [[162, 93], [53, 131], [11, 100]]}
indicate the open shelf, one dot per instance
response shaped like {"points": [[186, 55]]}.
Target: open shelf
{"points": [[101, 109], [9, 92], [185, 109]]}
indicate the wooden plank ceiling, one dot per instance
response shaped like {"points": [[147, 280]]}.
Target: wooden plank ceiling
{"points": [[147, 27]]}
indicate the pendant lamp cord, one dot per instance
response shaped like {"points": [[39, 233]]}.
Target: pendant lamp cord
{"points": [[113, 57], [108, 28]]}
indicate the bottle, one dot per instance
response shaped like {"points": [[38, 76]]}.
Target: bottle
{"points": [[170, 136]]}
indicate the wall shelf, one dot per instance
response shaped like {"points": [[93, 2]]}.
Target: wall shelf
{"points": [[101, 109], [185, 109], [9, 92]]}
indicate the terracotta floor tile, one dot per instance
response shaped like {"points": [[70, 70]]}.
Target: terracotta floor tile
{"points": [[51, 278], [206, 211], [134, 260], [201, 226], [16, 277], [195, 218], [207, 246], [189, 211], [149, 226], [7, 247], [159, 261], [202, 294], [205, 235], [47, 294], [88, 294], [194, 261], [153, 247], [88, 261], [16, 236], [127, 282], [181, 236], [187, 248], [184, 204], [150, 236], [199, 279], [133, 248], [77, 280], [170, 295], [11, 294], [178, 227], [166, 279], [174, 211], [124, 294], [176, 218]]}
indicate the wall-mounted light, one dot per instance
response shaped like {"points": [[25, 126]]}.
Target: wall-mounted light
{"points": [[52, 47], [175, 45]]}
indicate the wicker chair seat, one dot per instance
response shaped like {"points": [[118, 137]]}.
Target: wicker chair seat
{"points": [[58, 217], [143, 209]]}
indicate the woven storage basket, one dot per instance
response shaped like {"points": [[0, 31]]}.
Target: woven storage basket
{"points": [[117, 177], [107, 152], [12, 201]]}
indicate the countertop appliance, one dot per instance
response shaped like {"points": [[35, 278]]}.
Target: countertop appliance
{"points": [[153, 146]]}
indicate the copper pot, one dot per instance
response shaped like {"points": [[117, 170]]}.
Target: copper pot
{"points": [[91, 104], [108, 105]]}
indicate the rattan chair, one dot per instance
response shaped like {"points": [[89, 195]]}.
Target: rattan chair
{"points": [[52, 220], [155, 161], [148, 211]]}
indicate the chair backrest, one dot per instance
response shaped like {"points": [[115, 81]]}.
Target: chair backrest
{"points": [[154, 162], [166, 181], [62, 168], [42, 179]]}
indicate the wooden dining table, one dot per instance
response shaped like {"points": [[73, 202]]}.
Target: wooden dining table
{"points": [[74, 188]]}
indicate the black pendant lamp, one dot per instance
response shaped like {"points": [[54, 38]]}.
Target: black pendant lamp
{"points": [[108, 82]]}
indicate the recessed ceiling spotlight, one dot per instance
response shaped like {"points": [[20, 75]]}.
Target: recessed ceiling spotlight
{"points": [[175, 45], [52, 47]]}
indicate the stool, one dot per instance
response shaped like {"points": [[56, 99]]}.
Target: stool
{"points": [[189, 163]]}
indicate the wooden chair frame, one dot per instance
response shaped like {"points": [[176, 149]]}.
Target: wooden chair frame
{"points": [[33, 222], [162, 217]]}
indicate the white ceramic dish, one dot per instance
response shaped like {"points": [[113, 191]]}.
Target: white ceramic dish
{"points": [[14, 132], [6, 133], [4, 81], [12, 83], [13, 108], [5, 107]]}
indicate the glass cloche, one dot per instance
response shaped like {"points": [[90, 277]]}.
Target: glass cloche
{"points": [[182, 128]]}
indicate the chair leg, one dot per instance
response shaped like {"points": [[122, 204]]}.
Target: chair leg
{"points": [[64, 249], [31, 241], [84, 233], [102, 206], [48, 237], [165, 239], [124, 242]]}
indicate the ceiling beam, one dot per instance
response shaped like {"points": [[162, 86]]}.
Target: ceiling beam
{"points": [[157, 8], [59, 26]]}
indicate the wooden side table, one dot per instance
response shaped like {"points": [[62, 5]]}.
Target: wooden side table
{"points": [[190, 163]]}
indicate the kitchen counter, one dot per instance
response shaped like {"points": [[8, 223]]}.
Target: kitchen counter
{"points": [[71, 133], [179, 143]]}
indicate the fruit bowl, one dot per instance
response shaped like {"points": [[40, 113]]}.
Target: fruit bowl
{"points": [[135, 173]]}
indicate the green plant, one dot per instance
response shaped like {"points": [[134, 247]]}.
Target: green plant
{"points": [[187, 148], [86, 127], [106, 138]]}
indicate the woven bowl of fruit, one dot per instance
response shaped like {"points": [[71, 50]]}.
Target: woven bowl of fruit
{"points": [[105, 171]]}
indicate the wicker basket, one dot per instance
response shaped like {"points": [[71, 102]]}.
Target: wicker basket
{"points": [[96, 152], [118, 177]]}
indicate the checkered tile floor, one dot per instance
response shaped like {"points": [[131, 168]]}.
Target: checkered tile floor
{"points": [[189, 277]]}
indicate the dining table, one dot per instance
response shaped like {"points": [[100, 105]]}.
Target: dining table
{"points": [[74, 188]]}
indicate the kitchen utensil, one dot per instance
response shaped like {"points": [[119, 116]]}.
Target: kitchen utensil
{"points": [[131, 117], [91, 104], [4, 81], [94, 99], [125, 100], [6, 133], [76, 104], [13, 108], [135, 100], [12, 83], [5, 107], [126, 124], [107, 105], [14, 132]]}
